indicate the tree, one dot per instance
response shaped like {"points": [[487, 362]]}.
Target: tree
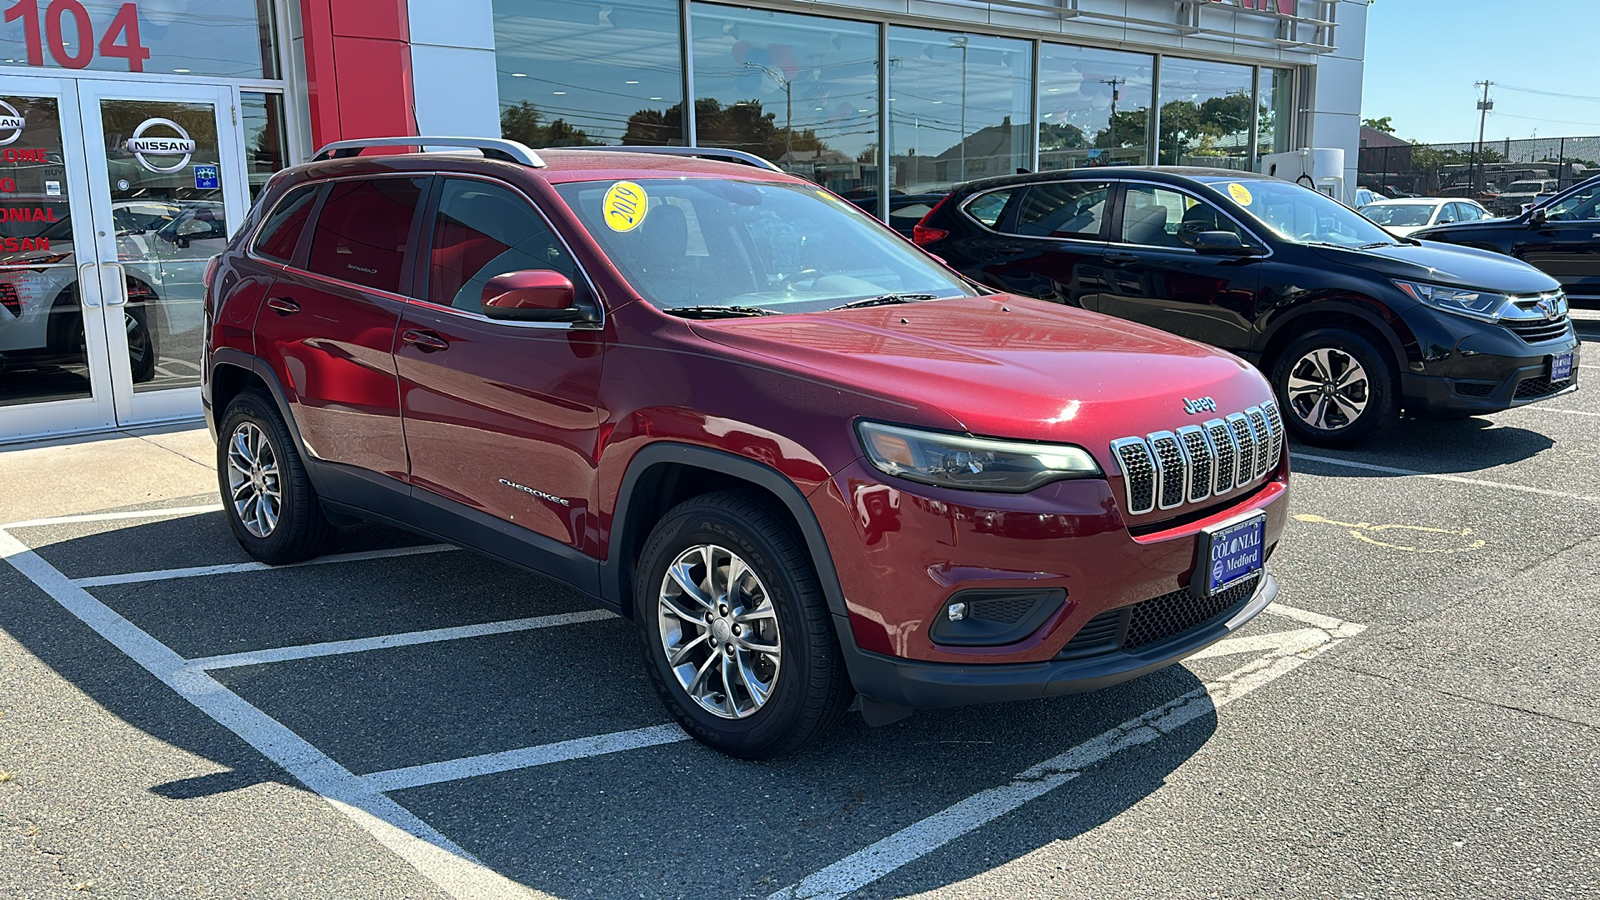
{"points": [[742, 125], [1384, 125], [522, 122]]}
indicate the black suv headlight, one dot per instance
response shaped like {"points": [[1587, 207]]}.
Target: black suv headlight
{"points": [[1485, 306], [971, 463]]}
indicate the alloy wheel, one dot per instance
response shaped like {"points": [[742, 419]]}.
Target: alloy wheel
{"points": [[719, 631], [1328, 389], [253, 479]]}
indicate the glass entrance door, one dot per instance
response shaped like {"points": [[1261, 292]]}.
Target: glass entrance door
{"points": [[166, 188], [113, 198]]}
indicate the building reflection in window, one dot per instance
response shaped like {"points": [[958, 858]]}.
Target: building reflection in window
{"points": [[1277, 110], [959, 108], [577, 72], [265, 137], [1205, 114], [1094, 107], [799, 90]]}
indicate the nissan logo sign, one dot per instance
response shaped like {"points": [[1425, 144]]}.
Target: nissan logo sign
{"points": [[162, 146], [11, 123]]}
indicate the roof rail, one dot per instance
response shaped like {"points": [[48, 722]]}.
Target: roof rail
{"points": [[722, 154], [491, 148]]}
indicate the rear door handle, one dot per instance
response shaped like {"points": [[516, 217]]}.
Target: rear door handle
{"points": [[425, 341], [1117, 256], [283, 306]]}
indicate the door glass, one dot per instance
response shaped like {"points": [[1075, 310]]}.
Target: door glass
{"points": [[1064, 209], [362, 230], [166, 207], [1155, 217], [484, 230], [1584, 204], [42, 350]]}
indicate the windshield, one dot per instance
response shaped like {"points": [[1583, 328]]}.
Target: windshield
{"points": [[696, 243], [1299, 214], [1400, 214]]}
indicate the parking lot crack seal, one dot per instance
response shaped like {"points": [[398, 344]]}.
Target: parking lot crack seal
{"points": [[1509, 707]]}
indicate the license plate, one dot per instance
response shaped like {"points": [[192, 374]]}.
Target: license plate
{"points": [[1228, 554], [1561, 366]]}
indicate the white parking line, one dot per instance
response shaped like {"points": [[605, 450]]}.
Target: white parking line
{"points": [[229, 568], [388, 641], [527, 757], [1458, 479], [436, 857], [114, 516], [915, 841]]}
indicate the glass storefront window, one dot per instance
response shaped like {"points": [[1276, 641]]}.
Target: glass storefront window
{"points": [[959, 108], [1205, 114], [799, 90], [1277, 110], [228, 38], [265, 137], [1094, 107], [578, 72]]}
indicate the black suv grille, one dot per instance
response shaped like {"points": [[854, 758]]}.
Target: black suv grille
{"points": [[1535, 332], [1539, 386], [1155, 620]]}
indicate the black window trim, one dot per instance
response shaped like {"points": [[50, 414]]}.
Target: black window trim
{"points": [[420, 275], [1014, 206]]}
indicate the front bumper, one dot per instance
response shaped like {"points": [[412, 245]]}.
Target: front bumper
{"points": [[929, 685], [1470, 368]]}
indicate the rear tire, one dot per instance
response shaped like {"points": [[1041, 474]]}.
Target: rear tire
{"points": [[734, 628], [1335, 387], [268, 498]]}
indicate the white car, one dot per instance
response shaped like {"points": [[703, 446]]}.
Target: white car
{"points": [[1415, 213]]}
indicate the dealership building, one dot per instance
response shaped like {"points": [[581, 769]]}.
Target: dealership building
{"points": [[134, 133]]}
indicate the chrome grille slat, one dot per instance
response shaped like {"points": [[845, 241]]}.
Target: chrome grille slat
{"points": [[1263, 435], [1166, 469], [1202, 461]]}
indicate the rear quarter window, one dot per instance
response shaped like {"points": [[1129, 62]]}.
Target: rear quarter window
{"points": [[281, 232], [988, 208]]}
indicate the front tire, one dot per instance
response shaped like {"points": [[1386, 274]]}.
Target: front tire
{"points": [[1334, 386], [734, 628], [268, 498]]}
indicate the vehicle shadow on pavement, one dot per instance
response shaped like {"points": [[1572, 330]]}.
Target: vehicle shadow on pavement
{"points": [[624, 823], [1432, 446]]}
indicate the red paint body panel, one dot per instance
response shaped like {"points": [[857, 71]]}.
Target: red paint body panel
{"points": [[358, 69]]}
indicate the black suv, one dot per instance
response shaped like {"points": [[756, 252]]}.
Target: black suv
{"points": [[1351, 323], [1561, 236]]}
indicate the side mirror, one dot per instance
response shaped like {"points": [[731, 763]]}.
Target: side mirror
{"points": [[1222, 243], [533, 295], [1538, 217]]}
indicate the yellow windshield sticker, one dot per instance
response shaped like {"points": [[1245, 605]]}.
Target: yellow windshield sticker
{"points": [[1240, 194], [625, 206]]}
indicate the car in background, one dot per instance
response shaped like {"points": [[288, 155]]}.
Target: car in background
{"points": [[1365, 196], [1560, 236], [1352, 324], [905, 210], [1402, 217], [1522, 194]]}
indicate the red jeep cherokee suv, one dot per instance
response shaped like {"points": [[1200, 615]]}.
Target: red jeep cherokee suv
{"points": [[806, 459]]}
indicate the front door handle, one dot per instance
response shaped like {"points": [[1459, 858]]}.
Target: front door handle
{"points": [[425, 341], [1118, 256], [283, 306]]}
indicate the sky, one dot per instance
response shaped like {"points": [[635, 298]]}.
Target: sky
{"points": [[1423, 56]]}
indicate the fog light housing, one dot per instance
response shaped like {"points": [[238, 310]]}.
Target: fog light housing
{"points": [[994, 617]]}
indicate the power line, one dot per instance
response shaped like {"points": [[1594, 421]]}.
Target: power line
{"points": [[1512, 87]]}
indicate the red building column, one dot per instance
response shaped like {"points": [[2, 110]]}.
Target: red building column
{"points": [[358, 69]]}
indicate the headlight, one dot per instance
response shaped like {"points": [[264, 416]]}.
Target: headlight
{"points": [[1482, 305], [971, 463]]}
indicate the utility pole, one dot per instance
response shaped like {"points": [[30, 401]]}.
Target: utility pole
{"points": [[960, 41], [1484, 106], [1116, 92], [783, 82]]}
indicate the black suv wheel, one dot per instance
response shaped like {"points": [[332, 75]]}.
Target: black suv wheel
{"points": [[735, 631], [269, 501], [1335, 387]]}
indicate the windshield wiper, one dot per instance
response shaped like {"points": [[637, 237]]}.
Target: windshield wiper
{"points": [[1376, 244], [718, 312], [886, 300]]}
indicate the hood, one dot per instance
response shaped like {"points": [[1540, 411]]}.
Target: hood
{"points": [[1446, 264], [1009, 367]]}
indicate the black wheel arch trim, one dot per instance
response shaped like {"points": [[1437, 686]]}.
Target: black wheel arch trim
{"points": [[1286, 320]]}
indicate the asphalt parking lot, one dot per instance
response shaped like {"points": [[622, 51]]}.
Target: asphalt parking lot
{"points": [[1417, 716]]}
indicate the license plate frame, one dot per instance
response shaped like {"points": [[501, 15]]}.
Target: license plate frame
{"points": [[1229, 553], [1561, 365]]}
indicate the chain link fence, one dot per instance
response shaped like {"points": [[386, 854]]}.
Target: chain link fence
{"points": [[1503, 175]]}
